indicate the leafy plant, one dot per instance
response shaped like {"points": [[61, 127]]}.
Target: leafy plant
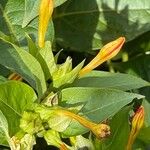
{"points": [[45, 95]]}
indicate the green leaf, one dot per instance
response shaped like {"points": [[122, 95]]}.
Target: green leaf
{"points": [[85, 25], [26, 65], [34, 51], [2, 79], [120, 130], [103, 79], [48, 57], [98, 103], [52, 138], [32, 10], [139, 66], [20, 20], [82, 142], [15, 97], [4, 133], [144, 135], [59, 2]]}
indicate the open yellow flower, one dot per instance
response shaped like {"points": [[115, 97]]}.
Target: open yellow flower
{"points": [[107, 52], [137, 123], [45, 13]]}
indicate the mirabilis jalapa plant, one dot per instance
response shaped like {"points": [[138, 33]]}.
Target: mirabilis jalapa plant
{"points": [[66, 107]]}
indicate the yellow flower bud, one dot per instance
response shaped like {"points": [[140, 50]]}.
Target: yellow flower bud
{"points": [[45, 13], [137, 123], [107, 52]]}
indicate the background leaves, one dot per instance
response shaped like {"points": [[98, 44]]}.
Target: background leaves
{"points": [[97, 22]]}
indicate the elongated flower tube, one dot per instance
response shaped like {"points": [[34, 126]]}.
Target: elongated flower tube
{"points": [[107, 52], [45, 13], [137, 123], [99, 130]]}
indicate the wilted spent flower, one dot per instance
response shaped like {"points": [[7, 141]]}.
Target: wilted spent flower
{"points": [[136, 125], [101, 130], [107, 52]]}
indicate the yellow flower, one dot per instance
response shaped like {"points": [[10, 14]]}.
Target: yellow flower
{"points": [[45, 13], [137, 123], [99, 130], [107, 52]]}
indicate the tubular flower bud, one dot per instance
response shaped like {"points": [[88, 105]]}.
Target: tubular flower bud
{"points": [[45, 13], [137, 123], [15, 76], [99, 130], [107, 52]]}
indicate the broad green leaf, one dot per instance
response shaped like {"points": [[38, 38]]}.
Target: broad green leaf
{"points": [[4, 71], [139, 66], [26, 65], [4, 133], [14, 14], [15, 97], [120, 130], [103, 79], [89, 24], [98, 103], [144, 135], [32, 10]]}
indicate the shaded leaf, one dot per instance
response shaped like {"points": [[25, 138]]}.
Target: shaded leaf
{"points": [[120, 130], [85, 25], [103, 79], [139, 66], [26, 65]]}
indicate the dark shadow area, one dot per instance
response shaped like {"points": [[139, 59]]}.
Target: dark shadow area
{"points": [[75, 23]]}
